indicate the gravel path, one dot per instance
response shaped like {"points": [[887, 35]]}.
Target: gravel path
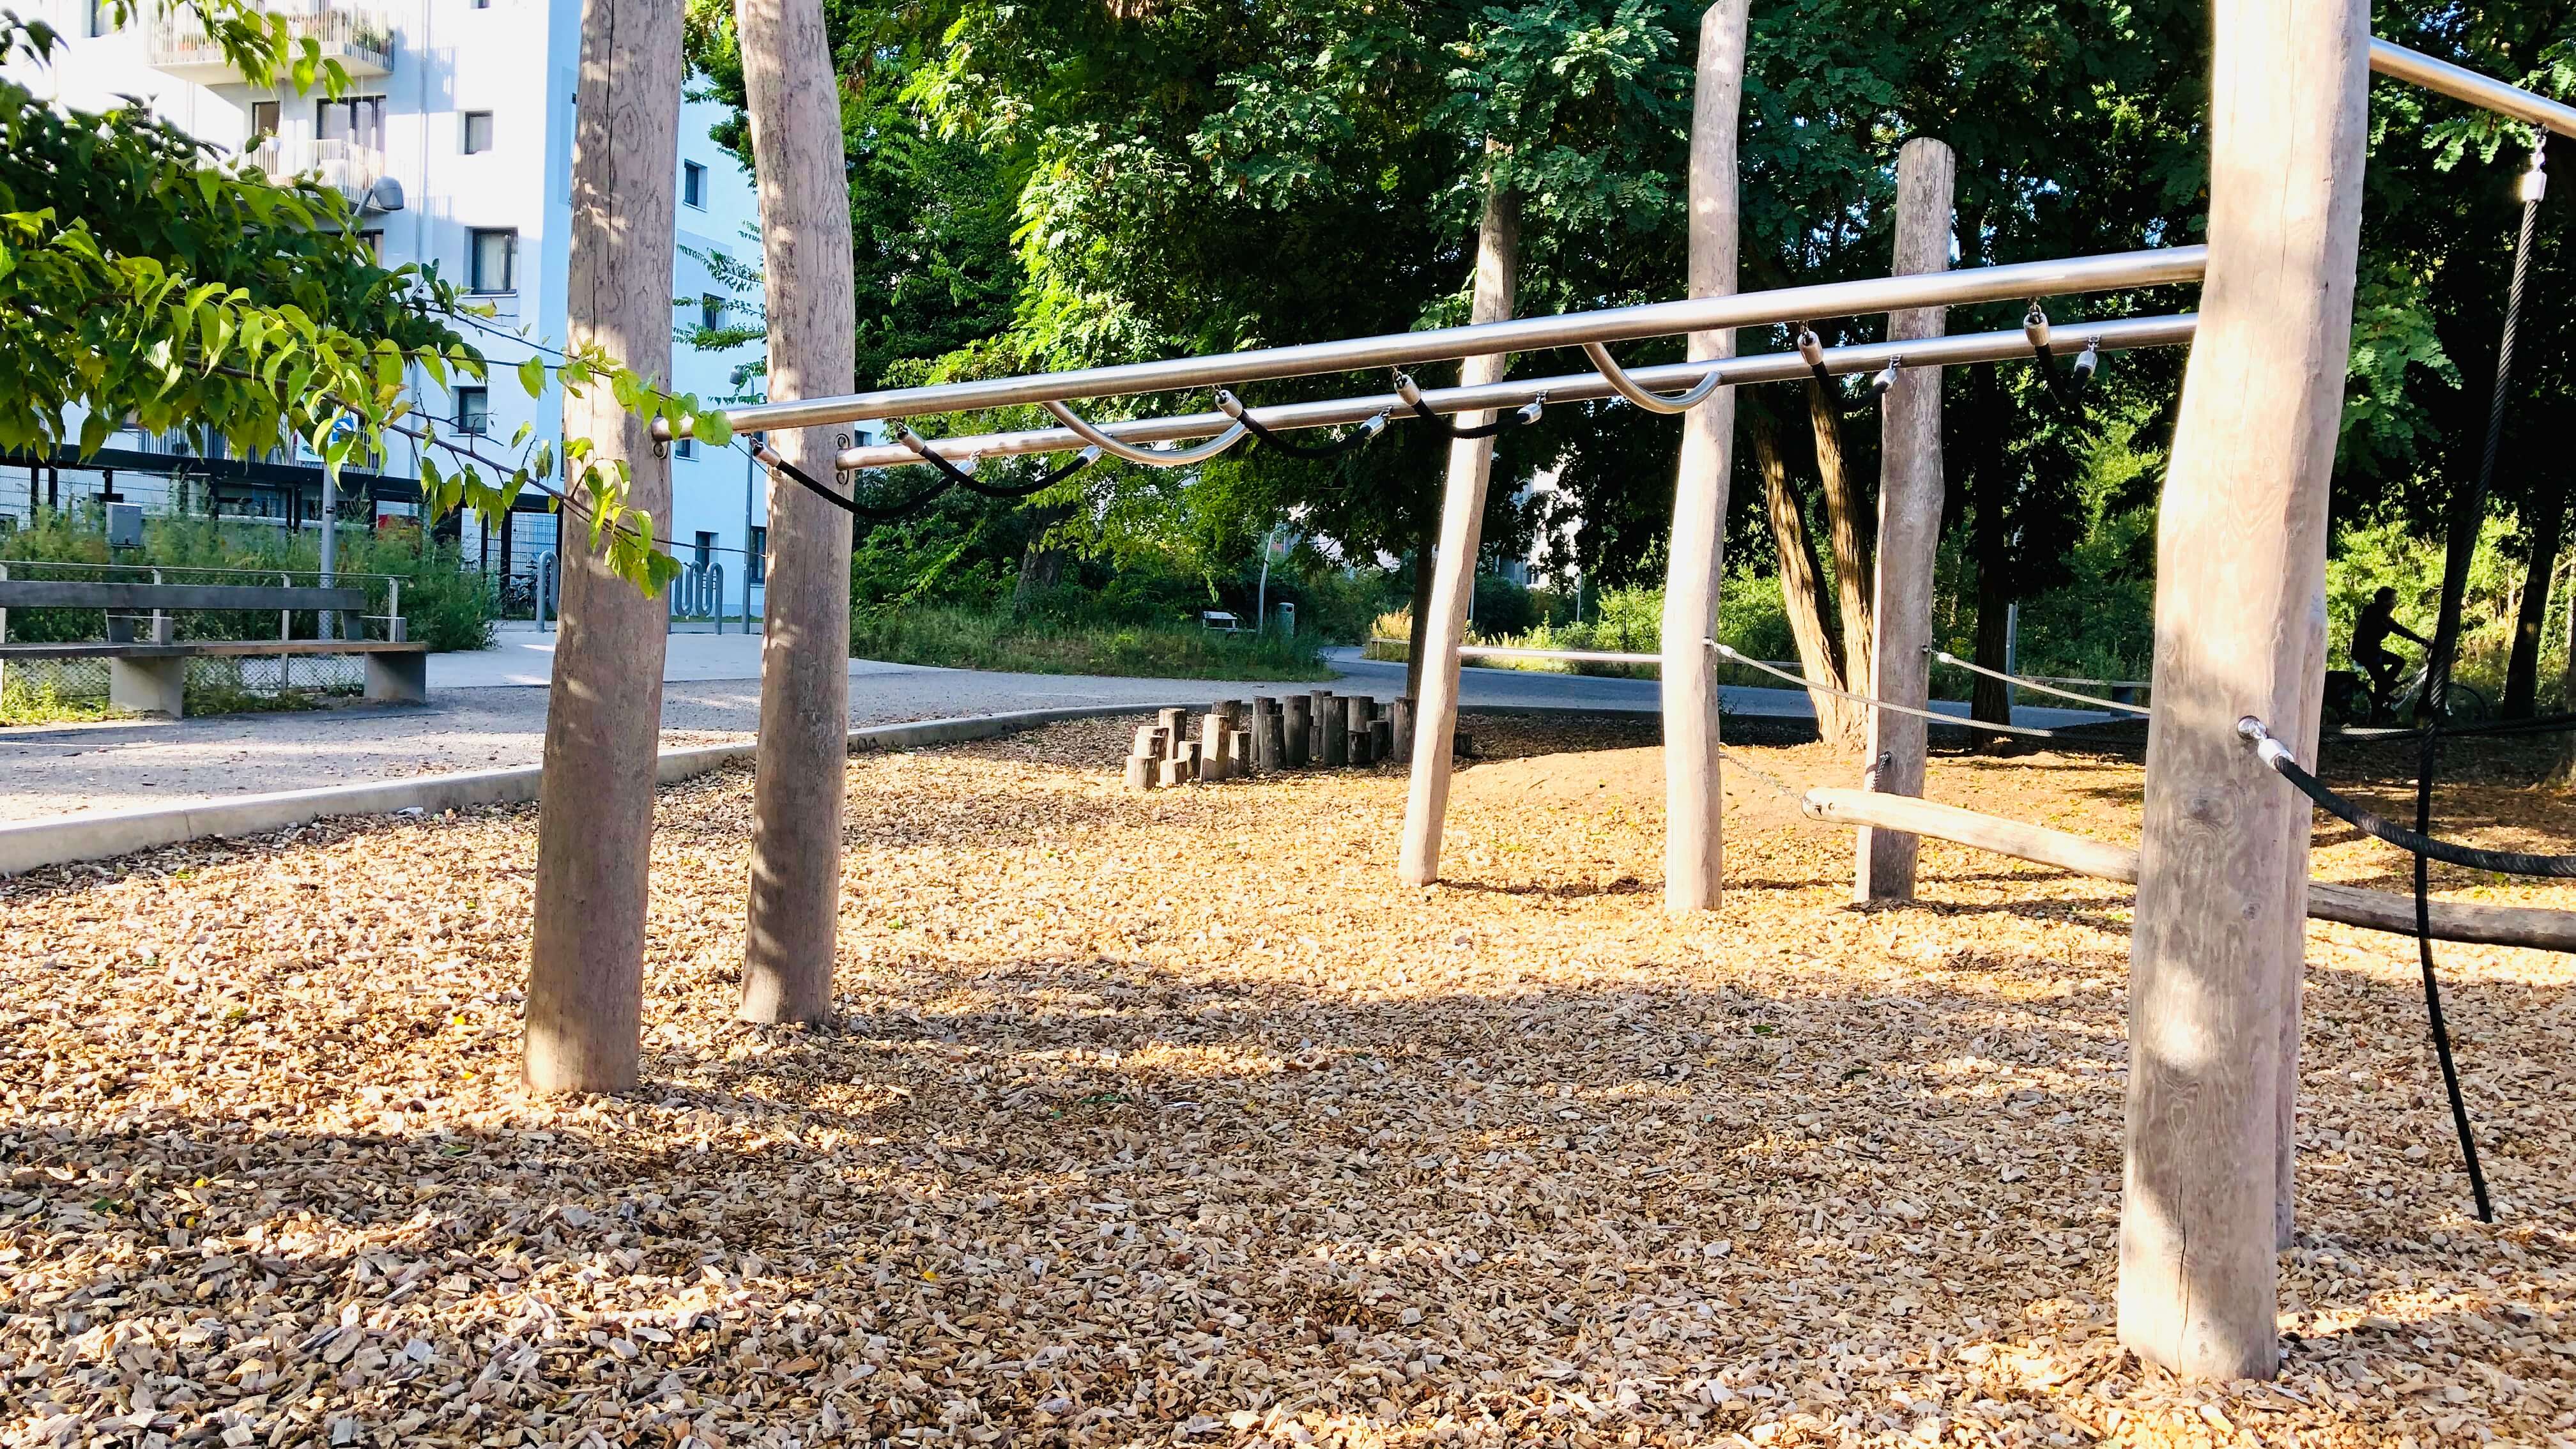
{"points": [[485, 712], [1175, 1119]]}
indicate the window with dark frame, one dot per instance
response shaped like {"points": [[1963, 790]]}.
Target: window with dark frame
{"points": [[755, 564], [358, 120], [706, 548], [263, 121], [493, 260], [373, 239], [478, 132], [474, 410], [685, 448], [710, 311], [693, 184]]}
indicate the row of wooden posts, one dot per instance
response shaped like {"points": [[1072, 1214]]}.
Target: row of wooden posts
{"points": [[1236, 738]]}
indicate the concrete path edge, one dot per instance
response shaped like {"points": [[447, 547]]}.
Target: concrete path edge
{"points": [[31, 844]]}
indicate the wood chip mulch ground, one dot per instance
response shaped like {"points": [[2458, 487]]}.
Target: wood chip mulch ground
{"points": [[1172, 1119]]}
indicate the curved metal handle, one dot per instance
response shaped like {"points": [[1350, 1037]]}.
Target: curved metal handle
{"points": [[1150, 457], [1646, 397]]}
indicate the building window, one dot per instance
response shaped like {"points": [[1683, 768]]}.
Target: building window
{"points": [[685, 448], [706, 548], [263, 121], [482, 4], [478, 132], [755, 564], [693, 184], [710, 311], [102, 19], [495, 260], [373, 239], [357, 120], [474, 410]]}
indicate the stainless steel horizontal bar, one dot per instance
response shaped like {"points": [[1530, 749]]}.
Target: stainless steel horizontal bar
{"points": [[2111, 336], [1526, 334], [1568, 656], [2463, 84]]}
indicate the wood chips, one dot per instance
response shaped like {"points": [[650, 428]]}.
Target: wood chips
{"points": [[1173, 1119]]}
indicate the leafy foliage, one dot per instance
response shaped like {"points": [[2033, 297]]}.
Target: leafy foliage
{"points": [[144, 278]]}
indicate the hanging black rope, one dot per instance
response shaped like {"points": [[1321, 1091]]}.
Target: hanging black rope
{"points": [[2070, 389], [960, 478], [1411, 392], [1356, 438]]}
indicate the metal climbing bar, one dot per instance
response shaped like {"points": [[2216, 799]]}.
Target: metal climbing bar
{"points": [[1963, 287], [2463, 84], [2113, 335]]}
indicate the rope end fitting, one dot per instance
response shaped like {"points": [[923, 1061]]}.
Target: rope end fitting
{"points": [[2269, 750], [1810, 347], [1886, 379], [2034, 327]]}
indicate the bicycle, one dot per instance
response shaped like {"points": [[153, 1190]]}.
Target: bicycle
{"points": [[2348, 701]]}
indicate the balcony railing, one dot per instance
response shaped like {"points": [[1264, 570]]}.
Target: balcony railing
{"points": [[361, 40], [351, 168]]}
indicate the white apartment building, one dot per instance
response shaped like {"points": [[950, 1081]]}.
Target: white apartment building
{"points": [[454, 144]]}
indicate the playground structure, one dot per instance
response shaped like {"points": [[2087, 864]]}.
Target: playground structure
{"points": [[2222, 883]]}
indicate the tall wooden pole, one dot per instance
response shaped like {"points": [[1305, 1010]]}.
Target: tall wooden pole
{"points": [[1462, 523], [1694, 797], [595, 798], [2240, 630], [795, 109], [1909, 523]]}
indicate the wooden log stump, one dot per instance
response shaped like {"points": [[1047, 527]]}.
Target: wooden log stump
{"points": [[1151, 743], [1335, 730], [1176, 771], [1238, 754], [1212, 746], [1144, 772], [1175, 725], [1400, 716], [1381, 739], [1297, 723]]}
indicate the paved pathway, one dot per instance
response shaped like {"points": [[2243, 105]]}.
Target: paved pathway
{"points": [[488, 709]]}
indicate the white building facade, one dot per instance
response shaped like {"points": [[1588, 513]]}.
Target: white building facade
{"points": [[453, 142]]}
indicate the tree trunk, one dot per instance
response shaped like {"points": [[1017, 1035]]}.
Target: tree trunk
{"points": [[1802, 588], [1694, 793], [1847, 522], [1990, 542], [1462, 524], [2216, 951], [2522, 671], [1910, 495], [798, 784], [1419, 635], [1041, 566], [595, 796]]}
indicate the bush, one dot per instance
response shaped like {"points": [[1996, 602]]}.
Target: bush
{"points": [[1033, 643], [444, 605]]}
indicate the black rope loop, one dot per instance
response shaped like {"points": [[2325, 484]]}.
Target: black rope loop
{"points": [[1411, 392], [2504, 862], [1359, 437], [962, 478]]}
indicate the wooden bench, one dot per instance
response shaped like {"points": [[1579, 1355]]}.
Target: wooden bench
{"points": [[147, 667]]}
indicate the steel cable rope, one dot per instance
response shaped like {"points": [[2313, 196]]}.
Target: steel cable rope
{"points": [[1955, 662], [2371, 823], [1935, 716]]}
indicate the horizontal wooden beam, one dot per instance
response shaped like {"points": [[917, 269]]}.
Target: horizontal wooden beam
{"points": [[94, 594], [2372, 910]]}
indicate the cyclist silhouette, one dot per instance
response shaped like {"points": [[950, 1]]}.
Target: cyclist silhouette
{"points": [[2370, 646]]}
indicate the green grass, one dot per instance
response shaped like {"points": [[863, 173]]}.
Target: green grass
{"points": [[959, 638], [24, 704]]}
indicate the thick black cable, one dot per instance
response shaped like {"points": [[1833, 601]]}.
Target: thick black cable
{"points": [[1351, 441], [1521, 417], [2433, 983], [959, 477], [2370, 823]]}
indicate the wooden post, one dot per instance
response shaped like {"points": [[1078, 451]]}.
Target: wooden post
{"points": [[1143, 772], [1694, 796], [1212, 746], [2240, 563], [1400, 730], [1462, 523], [1332, 730], [595, 801], [1175, 725], [1909, 524], [798, 784], [1297, 721], [1319, 703]]}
